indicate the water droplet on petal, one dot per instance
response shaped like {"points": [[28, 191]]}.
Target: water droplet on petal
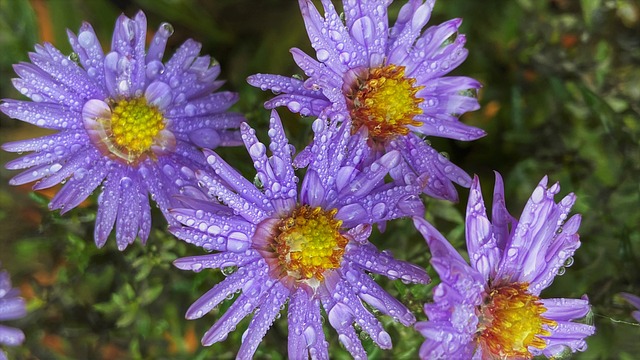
{"points": [[323, 55], [86, 39]]}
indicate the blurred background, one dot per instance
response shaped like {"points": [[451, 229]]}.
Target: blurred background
{"points": [[561, 97]]}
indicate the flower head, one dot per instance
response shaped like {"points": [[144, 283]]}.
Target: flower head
{"points": [[12, 307], [309, 247], [492, 309], [635, 301], [125, 120], [389, 83]]}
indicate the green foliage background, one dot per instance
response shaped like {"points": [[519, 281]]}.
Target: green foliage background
{"points": [[561, 97]]}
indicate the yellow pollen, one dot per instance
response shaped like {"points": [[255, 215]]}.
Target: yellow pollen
{"points": [[308, 242], [134, 125], [511, 321], [385, 102]]}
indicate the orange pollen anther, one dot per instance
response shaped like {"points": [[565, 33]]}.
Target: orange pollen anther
{"points": [[385, 102], [511, 321], [308, 242]]}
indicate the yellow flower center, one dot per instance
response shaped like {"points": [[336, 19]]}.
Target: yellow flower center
{"points": [[385, 102], [511, 321], [308, 242], [133, 126]]}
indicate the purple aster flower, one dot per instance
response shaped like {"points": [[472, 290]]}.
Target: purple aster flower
{"points": [[124, 120], [11, 307], [389, 83], [635, 301], [491, 309], [309, 248]]}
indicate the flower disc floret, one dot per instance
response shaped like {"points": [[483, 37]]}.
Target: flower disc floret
{"points": [[511, 321], [132, 128], [134, 124], [385, 102], [308, 242]]}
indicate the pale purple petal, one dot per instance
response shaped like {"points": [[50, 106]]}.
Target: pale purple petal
{"points": [[221, 291], [10, 336], [481, 243], [262, 320], [108, 204], [250, 298]]}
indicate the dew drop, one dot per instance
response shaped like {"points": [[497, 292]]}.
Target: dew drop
{"points": [[228, 270], [167, 28], [323, 55], [568, 262], [294, 106], [86, 39]]}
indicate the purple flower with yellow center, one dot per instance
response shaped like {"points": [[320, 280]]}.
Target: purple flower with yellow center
{"points": [[635, 301], [12, 307], [307, 247], [125, 120], [491, 309], [389, 83]]}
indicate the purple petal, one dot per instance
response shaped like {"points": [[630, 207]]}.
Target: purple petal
{"points": [[370, 259], [481, 243], [159, 43], [60, 172], [241, 307], [12, 308], [568, 335], [413, 16], [45, 115], [262, 320], [130, 213], [451, 267], [10, 336], [78, 188], [632, 299], [75, 140], [221, 291], [89, 51], [566, 309], [299, 305], [65, 71], [244, 207], [373, 294], [500, 217], [108, 204], [369, 323], [158, 94], [40, 87]]}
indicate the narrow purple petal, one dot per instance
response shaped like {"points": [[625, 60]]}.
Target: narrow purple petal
{"points": [[44, 115], [567, 336], [500, 218], [221, 291], [370, 259], [108, 204], [369, 323], [82, 184], [566, 309], [12, 308], [10, 336], [158, 94], [481, 243], [215, 261], [241, 307], [159, 43], [373, 294], [262, 320], [129, 217], [89, 51]]}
